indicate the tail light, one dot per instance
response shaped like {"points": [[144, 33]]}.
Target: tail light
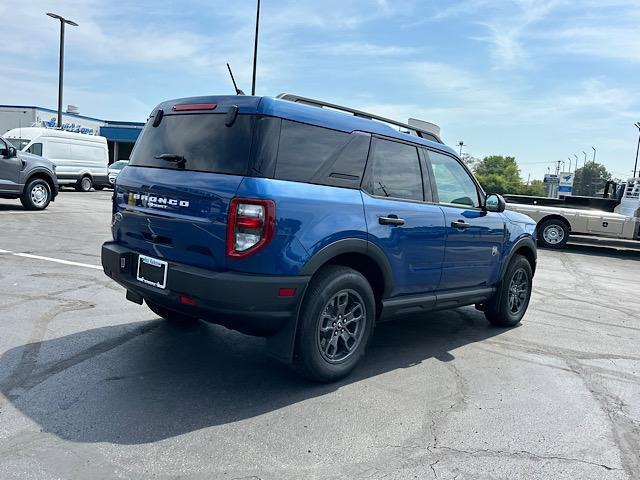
{"points": [[250, 226]]}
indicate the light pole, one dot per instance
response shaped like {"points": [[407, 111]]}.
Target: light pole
{"points": [[635, 166], [594, 154], [461, 144], [63, 22], [570, 164], [255, 51]]}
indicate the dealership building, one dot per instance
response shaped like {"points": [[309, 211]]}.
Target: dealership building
{"points": [[120, 136]]}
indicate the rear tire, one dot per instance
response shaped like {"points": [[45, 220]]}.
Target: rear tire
{"points": [[36, 195], [169, 314], [553, 233], [511, 300], [84, 184], [335, 325]]}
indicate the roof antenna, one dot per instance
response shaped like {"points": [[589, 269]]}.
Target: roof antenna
{"points": [[238, 91]]}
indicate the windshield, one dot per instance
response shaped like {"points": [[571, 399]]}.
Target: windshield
{"points": [[19, 143], [199, 142], [119, 165]]}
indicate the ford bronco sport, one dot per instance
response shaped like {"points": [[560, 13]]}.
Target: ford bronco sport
{"points": [[280, 218]]}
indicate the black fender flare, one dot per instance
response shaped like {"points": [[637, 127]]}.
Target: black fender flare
{"points": [[523, 242], [40, 172], [352, 245]]}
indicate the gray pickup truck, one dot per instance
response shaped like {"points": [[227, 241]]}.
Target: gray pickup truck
{"points": [[28, 177]]}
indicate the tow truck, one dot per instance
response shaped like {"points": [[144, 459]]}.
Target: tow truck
{"points": [[614, 215]]}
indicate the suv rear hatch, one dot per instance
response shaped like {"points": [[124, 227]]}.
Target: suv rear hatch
{"points": [[172, 201]]}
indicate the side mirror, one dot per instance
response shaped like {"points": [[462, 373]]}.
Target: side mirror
{"points": [[494, 203], [12, 152]]}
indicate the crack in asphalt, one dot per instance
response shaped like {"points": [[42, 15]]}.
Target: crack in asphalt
{"points": [[523, 453]]}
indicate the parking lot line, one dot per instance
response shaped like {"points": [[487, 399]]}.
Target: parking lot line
{"points": [[49, 259]]}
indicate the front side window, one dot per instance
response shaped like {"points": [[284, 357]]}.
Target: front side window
{"points": [[455, 185], [394, 171], [36, 149]]}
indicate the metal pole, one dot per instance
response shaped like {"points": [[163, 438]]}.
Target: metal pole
{"points": [[255, 51], [594, 154], [570, 161], [635, 166], [60, 73]]}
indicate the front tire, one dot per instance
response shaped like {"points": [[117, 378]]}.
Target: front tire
{"points": [[169, 314], [84, 184], [36, 195], [336, 322], [511, 301], [553, 233]]}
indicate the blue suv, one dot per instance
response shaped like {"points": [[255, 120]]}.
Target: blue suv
{"points": [[282, 218]]}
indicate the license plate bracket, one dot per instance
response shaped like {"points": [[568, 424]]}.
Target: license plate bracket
{"points": [[152, 271]]}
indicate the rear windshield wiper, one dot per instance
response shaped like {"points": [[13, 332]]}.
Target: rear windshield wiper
{"points": [[179, 160]]}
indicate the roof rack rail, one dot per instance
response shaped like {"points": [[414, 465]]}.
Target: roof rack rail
{"points": [[412, 129]]}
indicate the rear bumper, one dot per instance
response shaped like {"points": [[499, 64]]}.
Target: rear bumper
{"points": [[243, 302]]}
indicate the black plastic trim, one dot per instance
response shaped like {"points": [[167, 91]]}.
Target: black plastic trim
{"points": [[523, 242], [429, 302], [352, 245], [222, 297]]}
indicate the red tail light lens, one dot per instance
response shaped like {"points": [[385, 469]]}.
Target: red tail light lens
{"points": [[250, 226], [194, 106]]}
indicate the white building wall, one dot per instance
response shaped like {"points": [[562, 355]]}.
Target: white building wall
{"points": [[11, 117]]}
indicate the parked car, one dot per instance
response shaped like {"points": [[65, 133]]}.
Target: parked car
{"points": [[28, 177], [115, 168], [281, 218], [81, 160]]}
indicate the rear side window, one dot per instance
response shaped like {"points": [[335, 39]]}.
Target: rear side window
{"points": [[35, 148], [394, 171], [454, 183], [203, 140], [312, 154]]}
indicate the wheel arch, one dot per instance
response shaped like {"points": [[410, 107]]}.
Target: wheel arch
{"points": [[42, 175], [362, 256], [525, 247], [555, 216]]}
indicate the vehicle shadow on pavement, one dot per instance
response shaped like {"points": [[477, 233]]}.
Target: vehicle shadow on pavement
{"points": [[150, 381]]}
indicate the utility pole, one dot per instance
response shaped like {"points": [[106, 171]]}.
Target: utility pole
{"points": [[63, 22], [461, 144], [255, 51]]}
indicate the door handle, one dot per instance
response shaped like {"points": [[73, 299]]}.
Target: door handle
{"points": [[391, 220], [461, 224]]}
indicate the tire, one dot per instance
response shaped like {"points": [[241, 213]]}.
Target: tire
{"points": [[327, 349], [508, 306], [84, 184], [36, 195], [170, 315], [553, 233]]}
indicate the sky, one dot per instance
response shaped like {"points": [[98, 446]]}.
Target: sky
{"points": [[540, 80]]}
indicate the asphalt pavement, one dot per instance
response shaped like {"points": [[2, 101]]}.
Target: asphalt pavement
{"points": [[93, 386]]}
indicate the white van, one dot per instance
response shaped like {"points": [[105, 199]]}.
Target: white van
{"points": [[81, 160]]}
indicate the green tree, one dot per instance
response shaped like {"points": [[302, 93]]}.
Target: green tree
{"points": [[590, 179], [536, 188], [498, 174]]}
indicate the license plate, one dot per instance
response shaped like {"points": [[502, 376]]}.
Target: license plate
{"points": [[152, 271]]}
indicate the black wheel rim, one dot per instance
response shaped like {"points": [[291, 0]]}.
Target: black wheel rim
{"points": [[341, 326], [518, 291]]}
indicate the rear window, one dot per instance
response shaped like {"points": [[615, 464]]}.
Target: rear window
{"points": [[204, 141], [312, 154]]}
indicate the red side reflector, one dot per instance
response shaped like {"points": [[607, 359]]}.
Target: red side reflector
{"points": [[247, 222], [287, 292], [187, 301], [195, 106]]}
